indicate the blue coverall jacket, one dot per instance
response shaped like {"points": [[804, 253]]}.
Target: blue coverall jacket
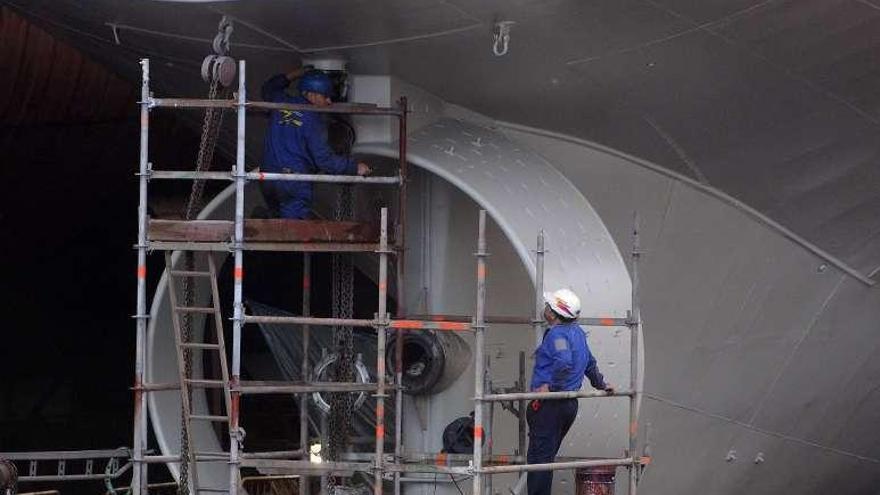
{"points": [[296, 142], [561, 362], [564, 358]]}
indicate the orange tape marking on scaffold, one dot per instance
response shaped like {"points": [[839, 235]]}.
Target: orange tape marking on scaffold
{"points": [[238, 273], [606, 322], [142, 271], [453, 325], [407, 324]]}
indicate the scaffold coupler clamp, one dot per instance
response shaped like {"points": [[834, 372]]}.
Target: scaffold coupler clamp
{"points": [[237, 435], [148, 173]]}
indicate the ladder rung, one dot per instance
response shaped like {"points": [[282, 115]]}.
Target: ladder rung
{"points": [[206, 383], [193, 309], [201, 417], [194, 345], [189, 273]]}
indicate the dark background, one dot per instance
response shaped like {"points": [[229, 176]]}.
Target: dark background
{"points": [[69, 139]]}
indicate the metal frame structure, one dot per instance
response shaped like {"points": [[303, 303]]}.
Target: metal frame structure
{"points": [[632, 460], [240, 176], [89, 464], [377, 463]]}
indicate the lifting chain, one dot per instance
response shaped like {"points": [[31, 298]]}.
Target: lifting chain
{"points": [[207, 145], [339, 423], [186, 336]]}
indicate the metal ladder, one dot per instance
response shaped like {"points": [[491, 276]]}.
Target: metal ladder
{"points": [[187, 384]]}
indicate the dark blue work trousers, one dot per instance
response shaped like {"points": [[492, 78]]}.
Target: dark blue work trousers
{"points": [[548, 424], [291, 200]]}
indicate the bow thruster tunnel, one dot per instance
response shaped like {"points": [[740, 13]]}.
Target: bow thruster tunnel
{"points": [[459, 168]]}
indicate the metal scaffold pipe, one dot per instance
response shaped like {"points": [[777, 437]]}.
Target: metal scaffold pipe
{"points": [[538, 321], [269, 176], [578, 394], [635, 326], [238, 276], [304, 488], [479, 352], [558, 466], [401, 293], [347, 108], [139, 473], [381, 328], [310, 320]]}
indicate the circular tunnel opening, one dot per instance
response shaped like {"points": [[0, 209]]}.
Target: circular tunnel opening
{"points": [[431, 360], [449, 209], [416, 360], [423, 361]]}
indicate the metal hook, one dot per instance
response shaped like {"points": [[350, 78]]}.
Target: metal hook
{"points": [[501, 38], [115, 29]]}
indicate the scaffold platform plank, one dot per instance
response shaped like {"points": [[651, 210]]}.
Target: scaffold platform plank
{"points": [[263, 230]]}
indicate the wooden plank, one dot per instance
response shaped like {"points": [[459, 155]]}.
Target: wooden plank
{"points": [[263, 230], [196, 231], [280, 230]]}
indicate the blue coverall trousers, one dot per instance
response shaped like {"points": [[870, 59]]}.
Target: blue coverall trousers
{"points": [[287, 199], [548, 424]]}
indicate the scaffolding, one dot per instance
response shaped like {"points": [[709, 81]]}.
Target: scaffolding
{"points": [[480, 465]]}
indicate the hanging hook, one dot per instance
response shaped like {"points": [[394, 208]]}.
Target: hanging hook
{"points": [[501, 37], [221, 40], [115, 29]]}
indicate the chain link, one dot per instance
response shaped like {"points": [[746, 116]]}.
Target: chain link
{"points": [[339, 422], [208, 143]]}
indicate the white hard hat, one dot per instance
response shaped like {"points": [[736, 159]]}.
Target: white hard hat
{"points": [[563, 302]]}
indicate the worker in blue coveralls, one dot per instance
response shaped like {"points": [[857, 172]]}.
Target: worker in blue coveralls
{"points": [[296, 142], [561, 362]]}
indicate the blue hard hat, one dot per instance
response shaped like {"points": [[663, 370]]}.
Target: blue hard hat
{"points": [[316, 82]]}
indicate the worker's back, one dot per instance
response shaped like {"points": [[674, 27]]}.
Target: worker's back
{"points": [[296, 142], [562, 358]]}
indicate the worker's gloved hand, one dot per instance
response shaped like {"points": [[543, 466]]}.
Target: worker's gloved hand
{"points": [[363, 169], [535, 405]]}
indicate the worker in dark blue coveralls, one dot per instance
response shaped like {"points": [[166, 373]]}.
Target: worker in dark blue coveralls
{"points": [[561, 362], [296, 142]]}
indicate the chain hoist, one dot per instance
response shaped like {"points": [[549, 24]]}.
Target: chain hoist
{"points": [[218, 70], [342, 404]]}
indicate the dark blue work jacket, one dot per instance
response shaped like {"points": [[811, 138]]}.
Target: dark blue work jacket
{"points": [[296, 142], [564, 358]]}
